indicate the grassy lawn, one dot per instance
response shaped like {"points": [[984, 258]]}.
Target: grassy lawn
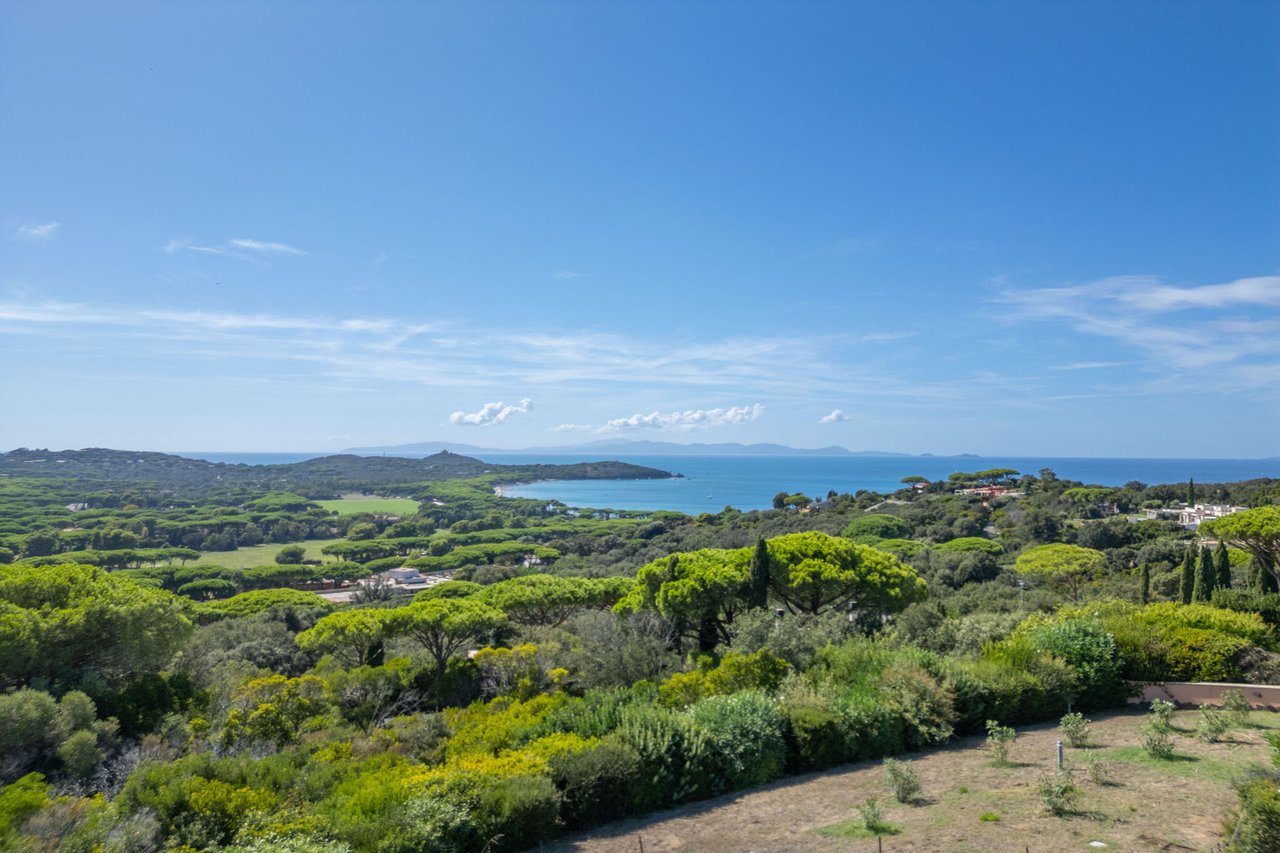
{"points": [[382, 506], [260, 555], [968, 804]]}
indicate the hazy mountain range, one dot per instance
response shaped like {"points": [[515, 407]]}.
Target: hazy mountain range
{"points": [[624, 446]]}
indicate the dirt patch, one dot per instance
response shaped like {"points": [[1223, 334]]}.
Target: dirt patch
{"points": [[1148, 804]]}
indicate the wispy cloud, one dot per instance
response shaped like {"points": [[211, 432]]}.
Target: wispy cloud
{"points": [[1089, 365], [462, 358], [39, 231], [573, 428], [491, 414], [836, 416], [567, 274], [268, 248], [687, 420], [1180, 330], [237, 247]]}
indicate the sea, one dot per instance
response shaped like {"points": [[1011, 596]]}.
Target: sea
{"points": [[710, 483]]}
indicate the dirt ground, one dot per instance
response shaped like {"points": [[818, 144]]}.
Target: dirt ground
{"points": [[1149, 805]]}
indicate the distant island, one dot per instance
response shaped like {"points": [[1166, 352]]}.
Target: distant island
{"points": [[640, 448]]}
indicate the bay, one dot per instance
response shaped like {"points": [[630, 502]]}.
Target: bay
{"points": [[711, 483]]}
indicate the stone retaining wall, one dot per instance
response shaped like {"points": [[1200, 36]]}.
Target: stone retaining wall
{"points": [[1194, 693]]}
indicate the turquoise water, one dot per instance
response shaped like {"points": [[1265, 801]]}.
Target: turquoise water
{"points": [[749, 482]]}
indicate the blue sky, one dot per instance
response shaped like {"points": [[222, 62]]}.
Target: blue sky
{"points": [[1048, 228]]}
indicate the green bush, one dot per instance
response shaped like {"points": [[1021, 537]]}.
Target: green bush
{"points": [[1058, 793], [1199, 654], [746, 736], [904, 781], [816, 736], [1211, 725], [675, 762], [1076, 729], [21, 799], [1265, 604], [80, 754], [518, 812], [595, 783], [1091, 653], [872, 728], [999, 740], [1256, 827]]}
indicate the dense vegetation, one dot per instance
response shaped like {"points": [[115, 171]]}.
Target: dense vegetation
{"points": [[581, 665]]}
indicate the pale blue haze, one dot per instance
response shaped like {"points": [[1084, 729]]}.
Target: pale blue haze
{"points": [[998, 227]]}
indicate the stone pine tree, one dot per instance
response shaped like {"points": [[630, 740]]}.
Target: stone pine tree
{"points": [[1206, 578], [1222, 566], [1188, 576], [1260, 578], [760, 573], [1144, 590]]}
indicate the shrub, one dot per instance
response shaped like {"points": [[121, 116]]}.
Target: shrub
{"points": [[518, 812], [925, 706], [80, 755], [675, 764], [1156, 740], [1162, 712], [1256, 828], [1198, 654], [20, 800], [746, 736], [1236, 708], [1211, 725], [989, 817], [816, 736], [902, 778], [1076, 729], [594, 784], [1099, 770], [999, 740], [1265, 604], [1091, 652], [872, 816], [873, 729], [1058, 792]]}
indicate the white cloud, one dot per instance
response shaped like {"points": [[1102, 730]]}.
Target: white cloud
{"points": [[265, 247], [41, 231], [235, 248], [1197, 337], [836, 416], [686, 420], [491, 413], [573, 428]]}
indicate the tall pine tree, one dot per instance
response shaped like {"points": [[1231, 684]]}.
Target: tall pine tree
{"points": [[1191, 492], [760, 571], [1206, 578], [1144, 590], [1188, 576], [1222, 564]]}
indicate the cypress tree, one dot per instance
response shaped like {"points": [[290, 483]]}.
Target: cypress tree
{"points": [[1206, 579], [760, 575], [1262, 578], [1222, 565], [1191, 492], [1144, 594], [1188, 576]]}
